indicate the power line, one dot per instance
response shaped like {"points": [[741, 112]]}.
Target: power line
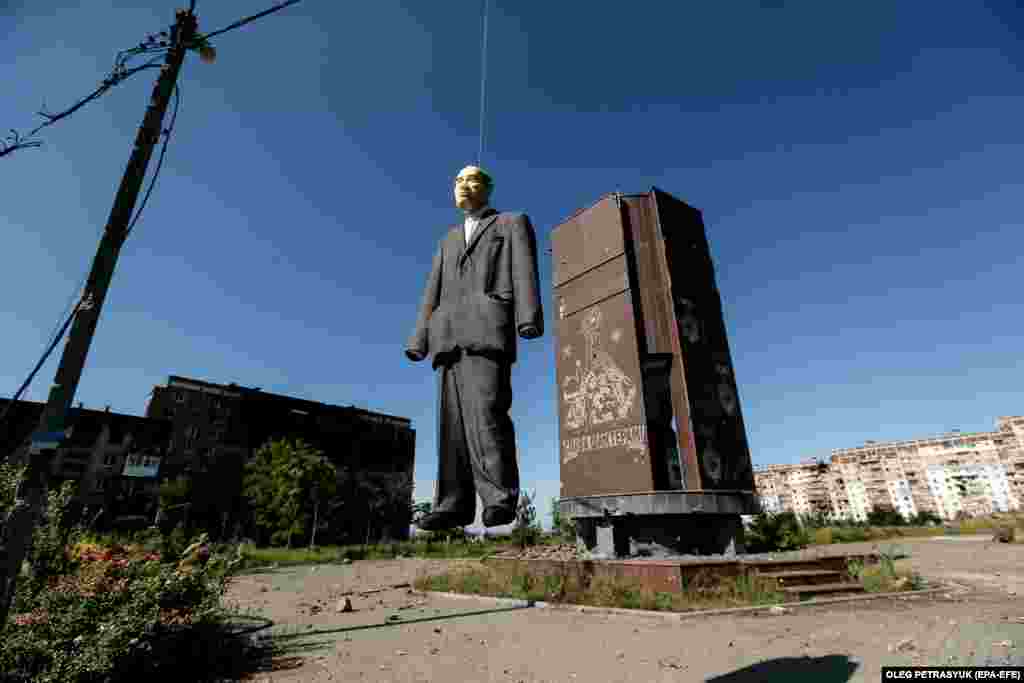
{"points": [[56, 339], [42, 361], [159, 161], [118, 75], [242, 22]]}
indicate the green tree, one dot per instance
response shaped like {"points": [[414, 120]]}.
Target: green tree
{"points": [[285, 483], [175, 491], [776, 532], [926, 518]]}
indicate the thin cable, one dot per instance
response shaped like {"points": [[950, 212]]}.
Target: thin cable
{"points": [[41, 362], [159, 162], [483, 88], [16, 141], [68, 304], [56, 339], [243, 22]]}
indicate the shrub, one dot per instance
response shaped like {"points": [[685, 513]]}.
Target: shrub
{"points": [[116, 614], [926, 518], [883, 515], [776, 532], [851, 534]]}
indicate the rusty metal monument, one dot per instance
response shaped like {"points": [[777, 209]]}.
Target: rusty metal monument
{"points": [[653, 450]]}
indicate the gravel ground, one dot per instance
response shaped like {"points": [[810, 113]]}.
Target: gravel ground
{"points": [[396, 635]]}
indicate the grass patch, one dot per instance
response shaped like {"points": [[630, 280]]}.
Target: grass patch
{"points": [[854, 534], [430, 549], [602, 591], [886, 576]]}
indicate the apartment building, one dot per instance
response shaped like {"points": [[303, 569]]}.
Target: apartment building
{"points": [[803, 488], [114, 457], [948, 474], [218, 427]]}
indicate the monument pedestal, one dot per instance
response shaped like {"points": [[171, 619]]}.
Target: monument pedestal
{"points": [[653, 450], [661, 536], [662, 524]]}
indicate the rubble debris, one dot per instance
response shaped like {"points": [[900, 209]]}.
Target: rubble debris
{"points": [[671, 663], [905, 645]]}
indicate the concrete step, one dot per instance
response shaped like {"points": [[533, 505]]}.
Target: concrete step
{"points": [[806, 577], [822, 590]]}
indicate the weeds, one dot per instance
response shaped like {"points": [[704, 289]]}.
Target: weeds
{"points": [[848, 533], [855, 568], [603, 591], [886, 577]]}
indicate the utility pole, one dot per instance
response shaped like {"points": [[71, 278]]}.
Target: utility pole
{"points": [[30, 498]]}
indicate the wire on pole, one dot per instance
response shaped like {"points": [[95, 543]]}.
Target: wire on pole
{"points": [[243, 22], [117, 76], [160, 161]]}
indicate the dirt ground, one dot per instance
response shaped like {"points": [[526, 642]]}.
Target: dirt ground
{"points": [[395, 635]]}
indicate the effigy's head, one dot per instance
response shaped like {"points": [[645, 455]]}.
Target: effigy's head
{"points": [[473, 187]]}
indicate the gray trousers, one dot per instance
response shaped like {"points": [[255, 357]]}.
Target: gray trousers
{"points": [[476, 439]]}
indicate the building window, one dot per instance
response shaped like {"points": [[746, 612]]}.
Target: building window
{"points": [[191, 436], [179, 396], [169, 412]]}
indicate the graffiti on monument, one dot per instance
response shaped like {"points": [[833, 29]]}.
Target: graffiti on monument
{"points": [[598, 391], [633, 437]]}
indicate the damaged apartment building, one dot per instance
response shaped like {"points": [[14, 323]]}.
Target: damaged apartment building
{"points": [[948, 475], [218, 427], [205, 432]]}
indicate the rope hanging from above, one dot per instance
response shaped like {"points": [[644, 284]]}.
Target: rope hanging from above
{"points": [[483, 86]]}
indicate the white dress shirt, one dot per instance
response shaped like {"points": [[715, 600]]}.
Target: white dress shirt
{"points": [[472, 220]]}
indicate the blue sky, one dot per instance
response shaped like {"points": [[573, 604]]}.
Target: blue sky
{"points": [[858, 166]]}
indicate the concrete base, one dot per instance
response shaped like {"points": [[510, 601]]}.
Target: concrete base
{"points": [[660, 536]]}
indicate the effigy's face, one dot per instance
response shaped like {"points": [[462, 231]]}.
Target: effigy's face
{"points": [[471, 189]]}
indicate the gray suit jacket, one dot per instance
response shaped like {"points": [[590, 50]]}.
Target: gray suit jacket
{"points": [[478, 297]]}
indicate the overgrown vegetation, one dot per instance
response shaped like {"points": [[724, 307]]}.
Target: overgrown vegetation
{"points": [[776, 532], [885, 577], [849, 532], [704, 592], [563, 529], [89, 611], [435, 546]]}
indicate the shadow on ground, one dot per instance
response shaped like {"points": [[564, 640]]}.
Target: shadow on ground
{"points": [[281, 637], [827, 669]]}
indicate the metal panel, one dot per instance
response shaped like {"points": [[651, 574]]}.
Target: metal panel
{"points": [[647, 401], [718, 435], [675, 466], [603, 434], [603, 431], [587, 240], [592, 287]]}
